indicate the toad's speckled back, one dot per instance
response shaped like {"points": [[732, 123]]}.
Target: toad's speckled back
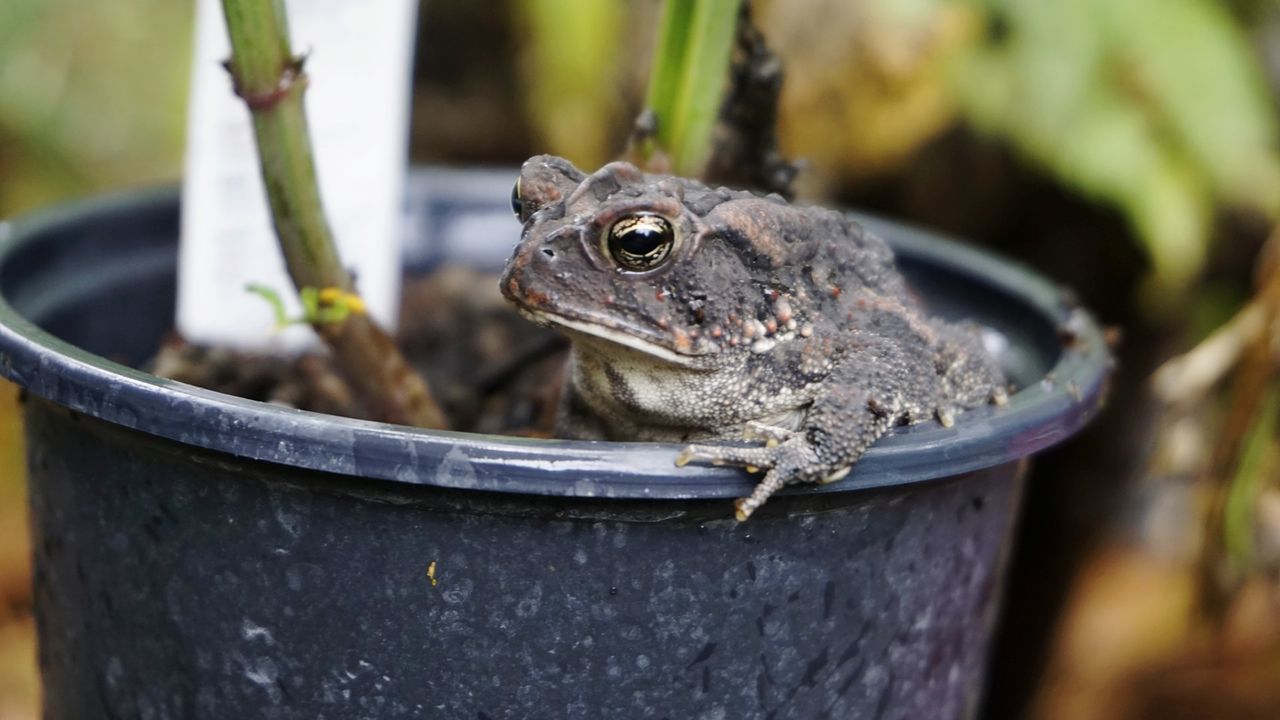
{"points": [[699, 312]]}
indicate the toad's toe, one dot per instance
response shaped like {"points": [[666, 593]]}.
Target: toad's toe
{"points": [[757, 457]]}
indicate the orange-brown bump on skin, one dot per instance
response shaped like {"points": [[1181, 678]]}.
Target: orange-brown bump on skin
{"points": [[681, 340], [537, 299], [783, 309]]}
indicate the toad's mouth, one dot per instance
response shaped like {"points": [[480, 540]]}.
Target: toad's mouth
{"points": [[632, 339]]}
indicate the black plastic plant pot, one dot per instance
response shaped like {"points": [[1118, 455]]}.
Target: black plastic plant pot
{"points": [[204, 556]]}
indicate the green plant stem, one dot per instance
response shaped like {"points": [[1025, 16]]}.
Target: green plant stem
{"points": [[687, 81], [271, 81], [1240, 510]]}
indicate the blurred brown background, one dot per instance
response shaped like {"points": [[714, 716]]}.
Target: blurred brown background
{"points": [[1126, 149]]}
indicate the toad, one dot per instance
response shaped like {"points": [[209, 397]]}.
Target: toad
{"points": [[699, 313]]}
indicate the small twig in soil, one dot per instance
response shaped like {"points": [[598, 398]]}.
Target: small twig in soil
{"points": [[1189, 376]]}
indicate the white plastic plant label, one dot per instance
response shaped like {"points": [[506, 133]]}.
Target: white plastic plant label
{"points": [[359, 55]]}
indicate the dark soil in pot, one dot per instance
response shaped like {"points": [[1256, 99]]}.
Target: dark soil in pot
{"points": [[492, 370]]}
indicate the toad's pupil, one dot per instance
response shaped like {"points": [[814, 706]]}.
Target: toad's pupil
{"points": [[641, 240]]}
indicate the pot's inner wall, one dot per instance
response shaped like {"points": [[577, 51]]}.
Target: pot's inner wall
{"points": [[125, 252], [129, 252]]}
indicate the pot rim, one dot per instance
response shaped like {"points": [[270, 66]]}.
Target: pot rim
{"points": [[1036, 417]]}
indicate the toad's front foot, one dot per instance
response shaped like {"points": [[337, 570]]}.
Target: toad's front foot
{"points": [[793, 461]]}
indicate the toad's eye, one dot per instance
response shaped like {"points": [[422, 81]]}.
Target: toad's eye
{"points": [[640, 242], [517, 205]]}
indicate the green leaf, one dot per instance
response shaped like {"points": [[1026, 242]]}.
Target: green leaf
{"points": [[687, 82], [669, 55]]}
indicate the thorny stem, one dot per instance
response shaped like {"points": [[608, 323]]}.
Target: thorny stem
{"points": [[271, 81]]}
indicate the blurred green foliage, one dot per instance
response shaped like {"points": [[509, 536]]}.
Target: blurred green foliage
{"points": [[572, 61], [76, 113], [1158, 107]]}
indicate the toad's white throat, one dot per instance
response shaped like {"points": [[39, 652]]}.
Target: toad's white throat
{"points": [[614, 336]]}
